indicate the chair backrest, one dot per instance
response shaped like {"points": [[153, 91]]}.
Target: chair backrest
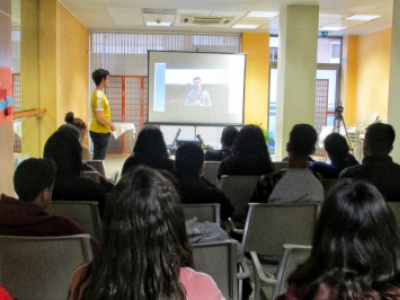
{"points": [[279, 165], [292, 256], [329, 183], [211, 170], [98, 165], [204, 212], [34, 268], [270, 226], [219, 260], [93, 175], [395, 207], [86, 214], [239, 190]]}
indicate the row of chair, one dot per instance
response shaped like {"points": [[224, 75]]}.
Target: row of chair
{"points": [[86, 214], [56, 258]]}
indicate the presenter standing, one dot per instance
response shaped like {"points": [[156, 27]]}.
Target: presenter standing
{"points": [[198, 96], [101, 117]]}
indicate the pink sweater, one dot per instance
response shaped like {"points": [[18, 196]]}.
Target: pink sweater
{"points": [[198, 286]]}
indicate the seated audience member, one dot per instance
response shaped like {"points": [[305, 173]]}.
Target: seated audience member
{"points": [[189, 162], [338, 152], [249, 155], [33, 183], [377, 166], [228, 136], [78, 123], [149, 150], [144, 253], [66, 152], [355, 250], [296, 184], [104, 182]]}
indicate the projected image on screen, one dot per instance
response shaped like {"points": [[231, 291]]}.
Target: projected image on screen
{"points": [[196, 88]]}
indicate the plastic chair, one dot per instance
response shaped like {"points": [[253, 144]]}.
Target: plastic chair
{"points": [[329, 183], [98, 165], [211, 170], [279, 165], [93, 175], [219, 260], [270, 226], [239, 190], [33, 268], [86, 214], [395, 207], [204, 212], [264, 282]]}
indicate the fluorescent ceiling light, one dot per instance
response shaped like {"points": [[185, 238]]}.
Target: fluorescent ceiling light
{"points": [[262, 14], [327, 28], [245, 26], [158, 23], [364, 17]]}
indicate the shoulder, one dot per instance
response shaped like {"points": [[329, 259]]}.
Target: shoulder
{"points": [[199, 285]]}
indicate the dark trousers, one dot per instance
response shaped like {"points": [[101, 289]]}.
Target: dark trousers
{"points": [[100, 142]]}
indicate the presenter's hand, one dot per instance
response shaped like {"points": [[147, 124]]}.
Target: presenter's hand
{"points": [[198, 103], [112, 127]]}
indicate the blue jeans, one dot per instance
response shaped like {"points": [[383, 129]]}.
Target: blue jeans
{"points": [[100, 142]]}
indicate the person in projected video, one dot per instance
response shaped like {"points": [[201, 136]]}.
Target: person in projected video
{"points": [[198, 96]]}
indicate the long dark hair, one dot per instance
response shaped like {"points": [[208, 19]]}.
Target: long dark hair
{"points": [[66, 151], [356, 247], [250, 150], [150, 145], [144, 242]]}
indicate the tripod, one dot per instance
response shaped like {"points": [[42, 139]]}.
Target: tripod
{"points": [[338, 121]]}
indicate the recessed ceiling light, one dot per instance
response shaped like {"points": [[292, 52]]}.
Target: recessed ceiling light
{"points": [[262, 14], [245, 26], [364, 17], [327, 28], [158, 23]]}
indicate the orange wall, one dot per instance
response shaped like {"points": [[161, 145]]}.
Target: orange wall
{"points": [[61, 43], [369, 65], [256, 45], [72, 40]]}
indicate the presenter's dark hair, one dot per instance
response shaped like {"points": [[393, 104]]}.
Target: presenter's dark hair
{"points": [[250, 152], [336, 146], [380, 138], [98, 75], [228, 135], [355, 248], [144, 242], [150, 145], [70, 119], [302, 140], [196, 78], [32, 176], [189, 159]]}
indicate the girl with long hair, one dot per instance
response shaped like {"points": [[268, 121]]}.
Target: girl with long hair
{"points": [[144, 252], [249, 155], [356, 250], [149, 150]]}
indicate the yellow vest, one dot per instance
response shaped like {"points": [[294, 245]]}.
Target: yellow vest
{"points": [[99, 102]]}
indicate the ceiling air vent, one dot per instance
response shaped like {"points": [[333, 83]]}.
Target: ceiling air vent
{"points": [[206, 20], [159, 11]]}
